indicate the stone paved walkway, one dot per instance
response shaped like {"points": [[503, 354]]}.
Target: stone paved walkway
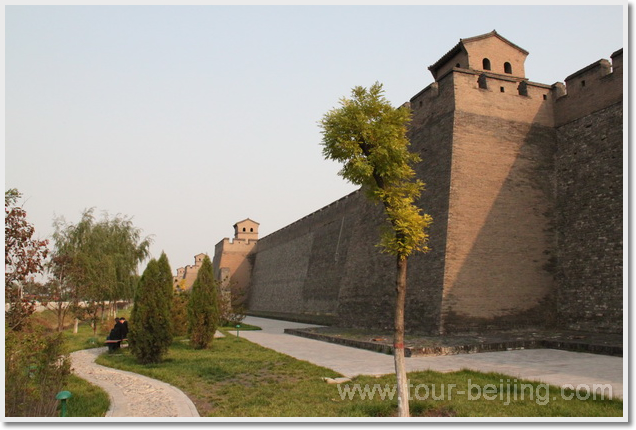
{"points": [[131, 394], [551, 366]]}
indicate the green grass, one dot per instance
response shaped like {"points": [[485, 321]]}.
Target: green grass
{"points": [[88, 400], [237, 378]]}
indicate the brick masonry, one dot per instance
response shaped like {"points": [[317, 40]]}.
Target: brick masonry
{"points": [[524, 182]]}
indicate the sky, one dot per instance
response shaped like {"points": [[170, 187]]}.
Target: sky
{"points": [[188, 119]]}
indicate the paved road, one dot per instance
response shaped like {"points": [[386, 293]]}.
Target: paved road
{"points": [[131, 394], [544, 365]]}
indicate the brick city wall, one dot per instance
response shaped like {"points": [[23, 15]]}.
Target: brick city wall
{"points": [[500, 236], [297, 270], [505, 250], [589, 166]]}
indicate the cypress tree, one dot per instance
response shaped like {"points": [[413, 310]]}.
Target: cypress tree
{"points": [[168, 290], [150, 334], [203, 308]]}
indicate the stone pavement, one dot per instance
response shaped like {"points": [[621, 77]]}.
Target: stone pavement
{"points": [[131, 394], [544, 365]]}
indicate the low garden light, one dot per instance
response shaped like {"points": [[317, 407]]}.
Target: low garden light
{"points": [[63, 396], [238, 326]]}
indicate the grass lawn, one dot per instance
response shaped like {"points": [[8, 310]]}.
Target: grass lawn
{"points": [[237, 378], [88, 400]]}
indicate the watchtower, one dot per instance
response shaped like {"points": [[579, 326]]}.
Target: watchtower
{"points": [[246, 230], [489, 53]]}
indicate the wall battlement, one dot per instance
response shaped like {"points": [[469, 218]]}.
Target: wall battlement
{"points": [[590, 89]]}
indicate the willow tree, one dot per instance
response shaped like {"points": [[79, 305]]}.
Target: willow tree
{"points": [[101, 257], [369, 137]]}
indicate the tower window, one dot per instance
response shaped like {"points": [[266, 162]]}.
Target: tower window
{"points": [[502, 89], [251, 230], [457, 65], [243, 228], [507, 68], [486, 64], [582, 83]]}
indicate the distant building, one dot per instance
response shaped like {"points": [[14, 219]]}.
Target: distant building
{"points": [[231, 263], [188, 274]]}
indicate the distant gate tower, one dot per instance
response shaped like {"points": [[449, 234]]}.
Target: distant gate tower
{"points": [[231, 265]]}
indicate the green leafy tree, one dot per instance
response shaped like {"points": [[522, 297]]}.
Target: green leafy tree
{"points": [[150, 331], [203, 308], [369, 136], [98, 259]]}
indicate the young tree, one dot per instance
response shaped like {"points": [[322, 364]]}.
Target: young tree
{"points": [[59, 293], [203, 309], [150, 332], [23, 257], [368, 136]]}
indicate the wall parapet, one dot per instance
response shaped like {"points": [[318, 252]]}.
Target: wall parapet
{"points": [[590, 89], [309, 216]]}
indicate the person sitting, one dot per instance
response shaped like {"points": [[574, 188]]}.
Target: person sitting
{"points": [[124, 328], [114, 338]]}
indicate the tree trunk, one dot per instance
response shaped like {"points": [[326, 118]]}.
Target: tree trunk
{"points": [[398, 340], [60, 317]]}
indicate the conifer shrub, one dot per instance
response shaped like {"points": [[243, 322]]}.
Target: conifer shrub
{"points": [[203, 308], [150, 332], [180, 301], [167, 289]]}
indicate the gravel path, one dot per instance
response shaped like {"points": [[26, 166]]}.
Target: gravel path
{"points": [[131, 394]]}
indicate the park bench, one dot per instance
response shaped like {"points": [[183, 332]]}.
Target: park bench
{"points": [[114, 342]]}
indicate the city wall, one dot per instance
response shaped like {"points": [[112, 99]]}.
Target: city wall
{"points": [[589, 198], [524, 183]]}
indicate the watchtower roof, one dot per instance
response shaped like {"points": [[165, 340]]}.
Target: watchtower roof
{"points": [[246, 219], [461, 48]]}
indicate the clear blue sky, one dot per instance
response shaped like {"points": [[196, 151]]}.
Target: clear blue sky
{"points": [[191, 118]]}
